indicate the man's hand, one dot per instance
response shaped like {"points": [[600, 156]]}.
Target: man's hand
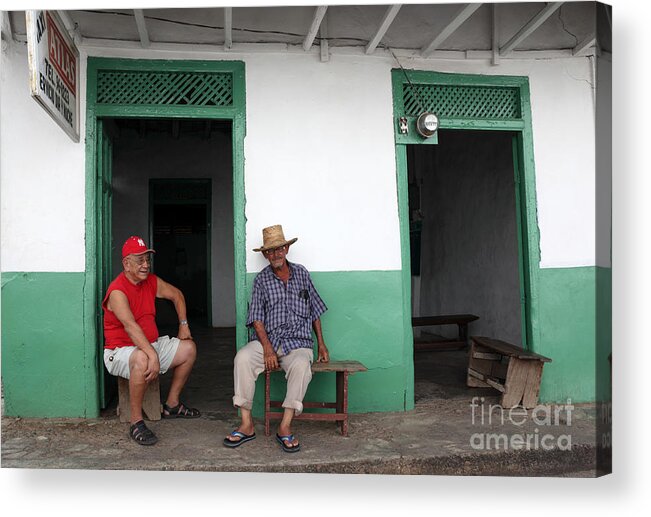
{"points": [[270, 358], [323, 355], [153, 368], [184, 332]]}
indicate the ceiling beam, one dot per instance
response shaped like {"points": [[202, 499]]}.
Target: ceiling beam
{"points": [[530, 27], [142, 28], [319, 13], [228, 28], [589, 41], [390, 14], [462, 15]]}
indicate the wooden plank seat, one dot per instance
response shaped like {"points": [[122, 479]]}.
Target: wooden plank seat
{"points": [[340, 416], [511, 370], [151, 405], [431, 342]]}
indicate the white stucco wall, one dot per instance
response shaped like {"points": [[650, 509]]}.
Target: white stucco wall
{"points": [[319, 158], [327, 173], [42, 179]]}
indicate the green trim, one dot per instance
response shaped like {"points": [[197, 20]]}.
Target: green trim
{"points": [[399, 82], [531, 238], [239, 205], [170, 112], [454, 79], [47, 368], [529, 248], [235, 113], [104, 210], [405, 253], [519, 216]]}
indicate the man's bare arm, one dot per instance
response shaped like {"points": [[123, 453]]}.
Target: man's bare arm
{"points": [[174, 294]]}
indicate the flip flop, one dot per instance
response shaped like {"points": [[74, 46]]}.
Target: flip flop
{"points": [[284, 440], [242, 439]]}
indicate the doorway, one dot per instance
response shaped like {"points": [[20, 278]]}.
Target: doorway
{"points": [[179, 216], [171, 183], [467, 106], [464, 231], [464, 244], [206, 97]]}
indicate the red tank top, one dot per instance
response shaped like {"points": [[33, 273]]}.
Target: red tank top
{"points": [[142, 300]]}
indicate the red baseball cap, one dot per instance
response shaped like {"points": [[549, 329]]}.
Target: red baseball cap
{"points": [[135, 246]]}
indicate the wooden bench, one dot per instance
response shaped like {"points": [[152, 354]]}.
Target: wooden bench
{"points": [[513, 371], [433, 342], [342, 369], [151, 405]]}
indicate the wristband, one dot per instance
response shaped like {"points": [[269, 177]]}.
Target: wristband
{"points": [[183, 322]]}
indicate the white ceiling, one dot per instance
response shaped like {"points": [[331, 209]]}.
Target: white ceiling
{"points": [[570, 27]]}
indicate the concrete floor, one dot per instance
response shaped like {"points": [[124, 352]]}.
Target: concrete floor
{"points": [[438, 437]]}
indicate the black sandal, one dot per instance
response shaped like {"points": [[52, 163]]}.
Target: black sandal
{"points": [[180, 411], [141, 434]]}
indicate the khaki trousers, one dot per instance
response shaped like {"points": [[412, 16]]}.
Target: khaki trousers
{"points": [[249, 363]]}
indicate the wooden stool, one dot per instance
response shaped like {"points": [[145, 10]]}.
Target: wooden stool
{"points": [[151, 405], [340, 416], [513, 371]]}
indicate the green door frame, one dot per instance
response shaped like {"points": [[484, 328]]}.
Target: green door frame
{"points": [[236, 113], [524, 171]]}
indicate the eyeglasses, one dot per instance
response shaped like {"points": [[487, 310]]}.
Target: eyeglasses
{"points": [[280, 250], [141, 259]]}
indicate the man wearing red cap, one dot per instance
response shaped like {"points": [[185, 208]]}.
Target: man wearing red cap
{"points": [[132, 347]]}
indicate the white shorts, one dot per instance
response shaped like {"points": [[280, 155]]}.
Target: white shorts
{"points": [[116, 360]]}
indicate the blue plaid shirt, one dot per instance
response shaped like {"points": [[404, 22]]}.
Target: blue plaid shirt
{"points": [[287, 311]]}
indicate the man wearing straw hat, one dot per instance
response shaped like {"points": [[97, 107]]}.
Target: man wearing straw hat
{"points": [[285, 308]]}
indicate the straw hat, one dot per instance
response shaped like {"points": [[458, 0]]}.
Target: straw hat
{"points": [[273, 237]]}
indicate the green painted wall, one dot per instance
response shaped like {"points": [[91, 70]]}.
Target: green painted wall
{"points": [[570, 321], [364, 322], [604, 333], [47, 369]]}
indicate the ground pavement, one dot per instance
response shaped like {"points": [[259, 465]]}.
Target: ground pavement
{"points": [[443, 434]]}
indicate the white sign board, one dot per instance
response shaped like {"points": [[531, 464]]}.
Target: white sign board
{"points": [[54, 69]]}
